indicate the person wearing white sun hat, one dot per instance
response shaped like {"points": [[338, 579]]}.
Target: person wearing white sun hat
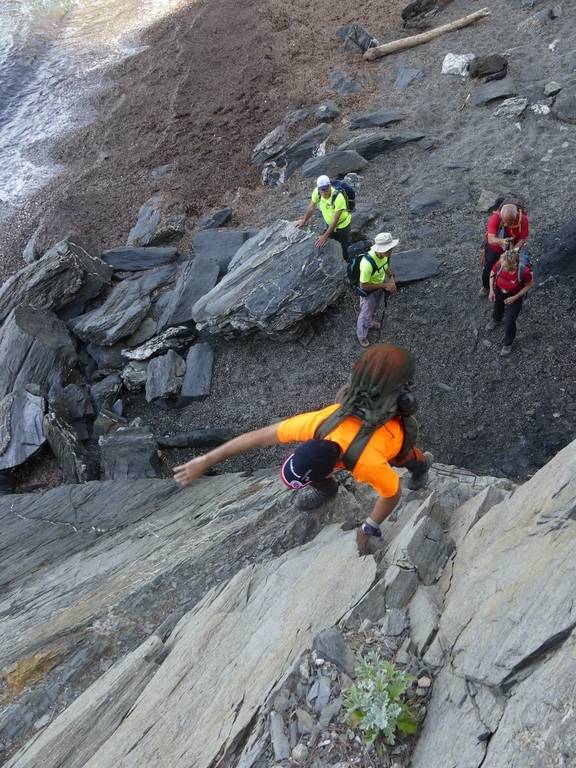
{"points": [[375, 278]]}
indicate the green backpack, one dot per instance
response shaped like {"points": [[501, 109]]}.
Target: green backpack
{"points": [[379, 390]]}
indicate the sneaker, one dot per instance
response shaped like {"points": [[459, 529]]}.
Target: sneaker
{"points": [[483, 292], [364, 342], [506, 350], [416, 482], [316, 494], [491, 324]]}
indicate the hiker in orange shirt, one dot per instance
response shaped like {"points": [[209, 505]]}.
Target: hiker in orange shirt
{"points": [[368, 440]]}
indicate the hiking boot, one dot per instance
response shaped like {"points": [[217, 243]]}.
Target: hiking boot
{"points": [[420, 480], [491, 324], [506, 350], [483, 291], [316, 494], [365, 536], [364, 342]]}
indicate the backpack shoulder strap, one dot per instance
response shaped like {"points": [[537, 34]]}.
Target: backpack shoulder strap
{"points": [[330, 423]]}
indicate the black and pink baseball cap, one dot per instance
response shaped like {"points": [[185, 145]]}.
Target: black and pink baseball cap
{"points": [[313, 460]]}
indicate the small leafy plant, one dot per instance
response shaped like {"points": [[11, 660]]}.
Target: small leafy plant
{"points": [[376, 702]]}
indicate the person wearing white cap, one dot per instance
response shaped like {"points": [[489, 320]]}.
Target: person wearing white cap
{"points": [[375, 277], [334, 209]]}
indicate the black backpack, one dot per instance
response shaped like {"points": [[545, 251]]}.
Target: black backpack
{"points": [[379, 390], [347, 190]]}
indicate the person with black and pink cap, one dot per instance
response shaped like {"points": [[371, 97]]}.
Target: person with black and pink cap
{"points": [[309, 468]]}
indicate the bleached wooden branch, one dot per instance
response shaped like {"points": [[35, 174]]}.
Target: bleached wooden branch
{"points": [[410, 42]]}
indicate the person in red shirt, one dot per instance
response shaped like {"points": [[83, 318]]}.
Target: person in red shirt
{"points": [[508, 226], [509, 283]]}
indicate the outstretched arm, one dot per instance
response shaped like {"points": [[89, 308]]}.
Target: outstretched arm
{"points": [[307, 216], [259, 438]]}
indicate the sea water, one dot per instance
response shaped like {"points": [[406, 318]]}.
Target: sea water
{"points": [[52, 54]]}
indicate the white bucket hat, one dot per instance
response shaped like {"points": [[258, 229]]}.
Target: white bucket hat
{"points": [[384, 242]]}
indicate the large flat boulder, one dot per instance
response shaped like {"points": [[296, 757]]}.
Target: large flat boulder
{"points": [[195, 278], [124, 309], [419, 264], [497, 89], [558, 252], [276, 279], [66, 274], [37, 354], [377, 118], [132, 259], [376, 142], [212, 245], [429, 198]]}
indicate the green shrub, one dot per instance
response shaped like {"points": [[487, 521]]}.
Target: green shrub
{"points": [[375, 703]]}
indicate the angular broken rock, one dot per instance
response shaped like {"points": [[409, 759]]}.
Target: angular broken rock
{"points": [[105, 391], [399, 584], [276, 280], [564, 108], [429, 198], [36, 352], [499, 89], [174, 338], [420, 264], [424, 612], [558, 248], [511, 108], [198, 376], [132, 259], [164, 376], [129, 453], [65, 274], [215, 220], [330, 645], [326, 111], [370, 144], [355, 38], [271, 145], [343, 83], [134, 375], [123, 310], [161, 221], [197, 438], [195, 278], [216, 246], [70, 454], [306, 146], [334, 164], [376, 119]]}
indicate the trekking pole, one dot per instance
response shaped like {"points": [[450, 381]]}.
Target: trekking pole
{"points": [[383, 314]]}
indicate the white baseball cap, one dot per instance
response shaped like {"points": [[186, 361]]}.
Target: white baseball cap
{"points": [[384, 242], [322, 182]]}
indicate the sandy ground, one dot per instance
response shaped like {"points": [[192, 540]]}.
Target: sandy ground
{"points": [[217, 78]]}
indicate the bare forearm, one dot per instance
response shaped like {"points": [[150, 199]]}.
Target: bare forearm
{"points": [[259, 438], [309, 212]]}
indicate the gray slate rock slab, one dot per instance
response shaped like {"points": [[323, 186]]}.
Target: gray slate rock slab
{"points": [[105, 392], [394, 623], [330, 645], [375, 119], [124, 309], [164, 376], [198, 376], [71, 456], [429, 198], [134, 375], [564, 108], [499, 89], [177, 338], [365, 214], [215, 220], [271, 145], [333, 164], [491, 67], [275, 281], [37, 353], [343, 84], [32, 251], [161, 221], [327, 111], [405, 76], [216, 245], [62, 276], [196, 438], [280, 743], [419, 264], [73, 400], [424, 612], [355, 38], [399, 585], [128, 453], [305, 147], [195, 279], [132, 259], [107, 358], [511, 108], [370, 144]]}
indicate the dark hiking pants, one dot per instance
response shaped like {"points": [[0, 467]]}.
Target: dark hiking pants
{"points": [[509, 312], [413, 460], [491, 259], [343, 237]]}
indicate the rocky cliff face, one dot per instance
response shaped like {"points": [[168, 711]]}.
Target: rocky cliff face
{"points": [[143, 625]]}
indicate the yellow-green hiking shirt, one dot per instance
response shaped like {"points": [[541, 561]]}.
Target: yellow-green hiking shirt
{"points": [[370, 275], [328, 206]]}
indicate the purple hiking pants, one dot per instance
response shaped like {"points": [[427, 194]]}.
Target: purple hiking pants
{"points": [[368, 309]]}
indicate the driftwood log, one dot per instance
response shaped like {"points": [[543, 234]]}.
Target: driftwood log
{"points": [[411, 42]]}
